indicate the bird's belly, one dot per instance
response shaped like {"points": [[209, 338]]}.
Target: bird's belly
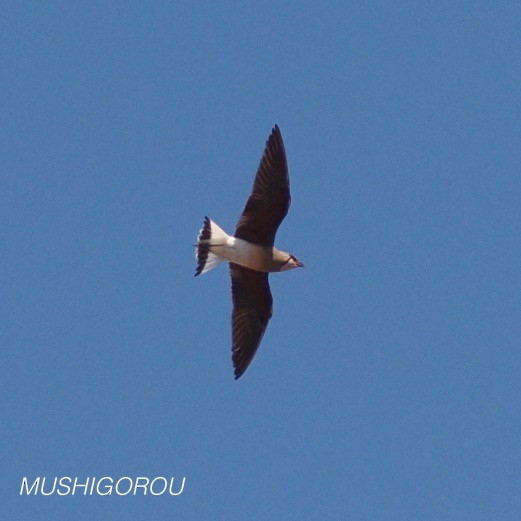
{"points": [[245, 253]]}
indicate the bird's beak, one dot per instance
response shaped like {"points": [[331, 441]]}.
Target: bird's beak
{"points": [[299, 264]]}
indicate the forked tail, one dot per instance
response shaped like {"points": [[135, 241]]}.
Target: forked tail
{"points": [[209, 235]]}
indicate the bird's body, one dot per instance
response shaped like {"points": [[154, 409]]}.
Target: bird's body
{"points": [[251, 252], [248, 254]]}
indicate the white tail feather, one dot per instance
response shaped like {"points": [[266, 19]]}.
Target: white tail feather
{"points": [[211, 261], [218, 236], [210, 235]]}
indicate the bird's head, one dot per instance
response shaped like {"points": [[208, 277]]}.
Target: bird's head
{"points": [[291, 263]]}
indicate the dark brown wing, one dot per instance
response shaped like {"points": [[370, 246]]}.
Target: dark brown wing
{"points": [[269, 202], [252, 308]]}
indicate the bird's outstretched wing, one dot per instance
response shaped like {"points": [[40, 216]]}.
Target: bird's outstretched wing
{"points": [[252, 309], [269, 201]]}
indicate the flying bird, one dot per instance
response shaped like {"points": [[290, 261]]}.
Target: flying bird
{"points": [[251, 252]]}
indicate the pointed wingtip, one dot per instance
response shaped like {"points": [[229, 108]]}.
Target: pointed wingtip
{"points": [[238, 371], [275, 138]]}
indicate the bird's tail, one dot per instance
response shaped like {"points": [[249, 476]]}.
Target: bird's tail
{"points": [[210, 235]]}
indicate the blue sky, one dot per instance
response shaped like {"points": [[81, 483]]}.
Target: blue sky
{"points": [[387, 385]]}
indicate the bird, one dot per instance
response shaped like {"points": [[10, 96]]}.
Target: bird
{"points": [[251, 252]]}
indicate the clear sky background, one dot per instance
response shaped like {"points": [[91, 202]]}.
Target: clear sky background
{"points": [[387, 386]]}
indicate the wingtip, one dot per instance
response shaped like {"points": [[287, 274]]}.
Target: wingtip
{"points": [[239, 370], [275, 138]]}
